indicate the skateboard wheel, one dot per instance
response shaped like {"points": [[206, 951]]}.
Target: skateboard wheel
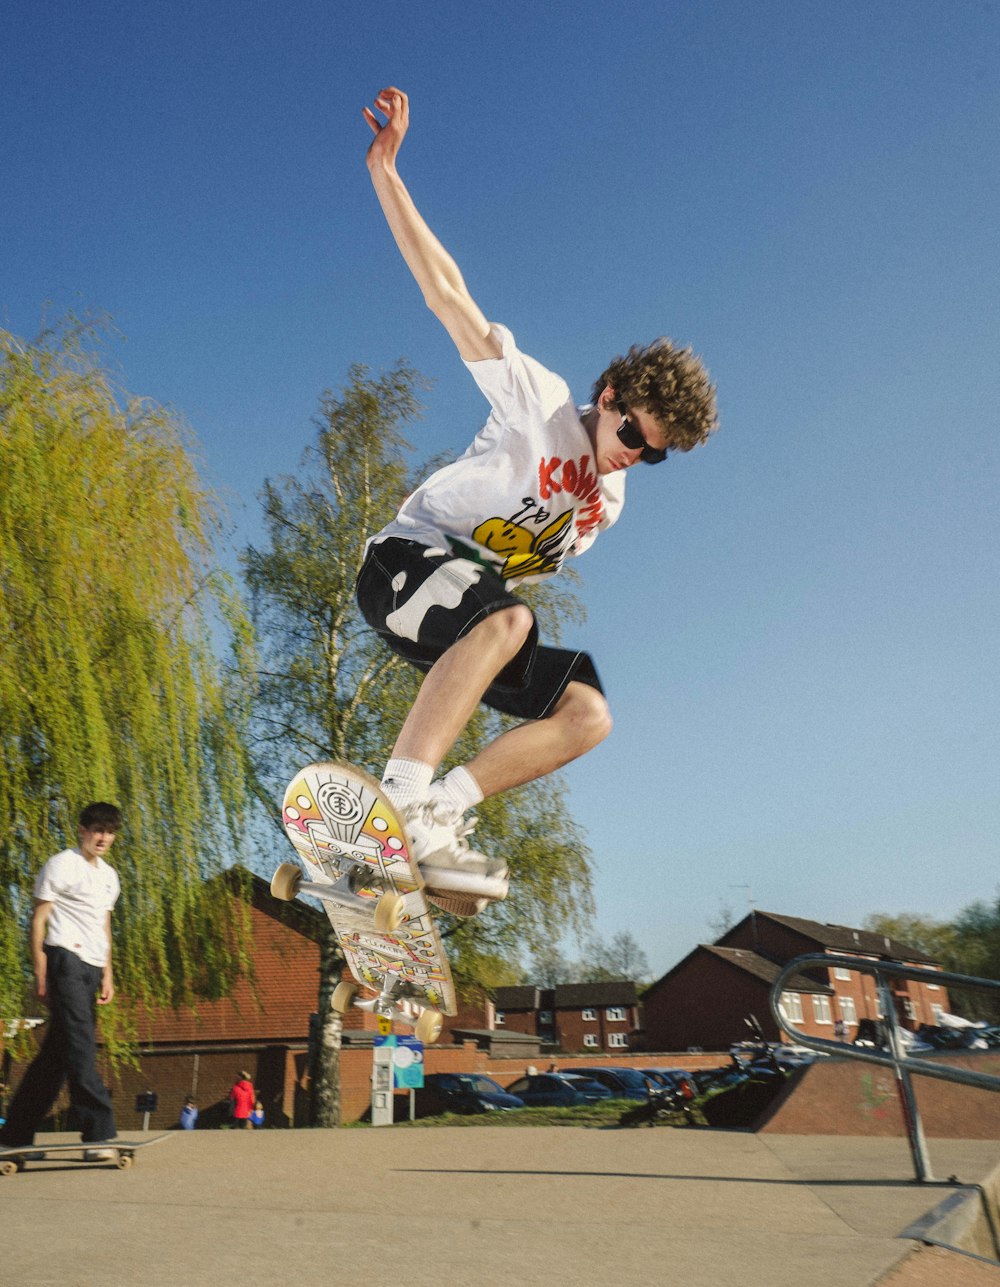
{"points": [[343, 995], [389, 912], [8, 1168], [123, 1161], [286, 881], [428, 1027]]}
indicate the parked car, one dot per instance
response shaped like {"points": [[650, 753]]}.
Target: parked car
{"points": [[558, 1090], [678, 1079], [951, 1038], [463, 1093], [872, 1032], [624, 1083]]}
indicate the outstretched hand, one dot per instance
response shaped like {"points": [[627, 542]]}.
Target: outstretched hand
{"points": [[395, 107]]}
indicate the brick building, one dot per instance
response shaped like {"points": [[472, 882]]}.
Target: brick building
{"points": [[572, 1016], [705, 999]]}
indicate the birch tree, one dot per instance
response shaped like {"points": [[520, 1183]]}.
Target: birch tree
{"points": [[327, 688]]}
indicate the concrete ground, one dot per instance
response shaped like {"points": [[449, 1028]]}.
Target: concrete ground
{"points": [[482, 1205]]}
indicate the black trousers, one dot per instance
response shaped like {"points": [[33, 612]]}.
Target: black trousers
{"points": [[68, 1053]]}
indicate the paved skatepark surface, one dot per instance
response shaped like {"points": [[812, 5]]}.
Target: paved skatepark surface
{"points": [[483, 1205]]}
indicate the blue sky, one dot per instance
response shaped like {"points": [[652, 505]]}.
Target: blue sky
{"points": [[797, 625]]}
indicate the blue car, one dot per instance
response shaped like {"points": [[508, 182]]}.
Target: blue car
{"points": [[463, 1093], [558, 1090], [678, 1079], [624, 1083]]}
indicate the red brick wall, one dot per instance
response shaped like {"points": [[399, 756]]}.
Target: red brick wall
{"points": [[848, 1097]]}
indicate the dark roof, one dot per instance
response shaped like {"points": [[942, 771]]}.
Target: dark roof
{"points": [[567, 996], [520, 998], [763, 969], [577, 996], [843, 938], [749, 962]]}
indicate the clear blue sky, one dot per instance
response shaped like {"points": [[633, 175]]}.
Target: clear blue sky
{"points": [[797, 625]]}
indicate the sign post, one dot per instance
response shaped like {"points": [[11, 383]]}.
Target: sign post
{"points": [[145, 1103], [398, 1064]]}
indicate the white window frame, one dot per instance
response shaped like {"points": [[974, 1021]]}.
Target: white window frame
{"points": [[618, 1040], [616, 1014], [848, 1010], [822, 1011], [499, 1018], [909, 1007], [841, 972], [589, 1016], [791, 1004], [590, 1040]]}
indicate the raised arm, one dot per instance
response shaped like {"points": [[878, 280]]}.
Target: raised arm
{"points": [[434, 270]]}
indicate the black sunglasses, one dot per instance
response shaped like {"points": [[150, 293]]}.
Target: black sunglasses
{"points": [[631, 437]]}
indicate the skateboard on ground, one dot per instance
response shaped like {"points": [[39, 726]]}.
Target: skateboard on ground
{"points": [[356, 855], [13, 1160]]}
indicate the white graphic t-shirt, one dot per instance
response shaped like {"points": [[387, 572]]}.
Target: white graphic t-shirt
{"points": [[526, 494], [82, 894]]}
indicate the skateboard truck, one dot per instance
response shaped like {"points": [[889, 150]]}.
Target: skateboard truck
{"points": [[398, 1001], [289, 881]]}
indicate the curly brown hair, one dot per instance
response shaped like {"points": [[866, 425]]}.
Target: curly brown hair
{"points": [[669, 382]]}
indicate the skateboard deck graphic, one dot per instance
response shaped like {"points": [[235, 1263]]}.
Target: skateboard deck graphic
{"points": [[13, 1160], [356, 855]]}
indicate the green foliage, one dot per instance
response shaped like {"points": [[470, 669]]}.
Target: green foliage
{"points": [[970, 944], [109, 689]]}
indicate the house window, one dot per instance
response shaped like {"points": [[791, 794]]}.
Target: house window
{"points": [[841, 973], [590, 1040], [909, 1008], [616, 1014], [821, 1009], [938, 1012], [590, 1016], [848, 1012], [545, 1018], [791, 1004], [618, 1039], [500, 1017]]}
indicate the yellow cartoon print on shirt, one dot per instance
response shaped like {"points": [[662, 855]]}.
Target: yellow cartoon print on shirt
{"points": [[526, 553]]}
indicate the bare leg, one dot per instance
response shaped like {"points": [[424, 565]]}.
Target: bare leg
{"points": [[453, 686], [580, 720]]}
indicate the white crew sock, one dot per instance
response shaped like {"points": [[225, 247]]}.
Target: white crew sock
{"points": [[406, 780], [458, 789]]}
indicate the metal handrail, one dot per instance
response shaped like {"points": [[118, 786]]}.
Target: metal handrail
{"points": [[896, 1057]]}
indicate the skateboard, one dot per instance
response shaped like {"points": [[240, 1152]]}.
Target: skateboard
{"points": [[13, 1160], [356, 859]]}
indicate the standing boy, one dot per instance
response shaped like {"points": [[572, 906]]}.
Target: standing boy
{"points": [[71, 955], [539, 483]]}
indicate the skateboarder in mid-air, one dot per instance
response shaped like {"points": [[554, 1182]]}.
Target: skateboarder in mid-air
{"points": [[537, 485]]}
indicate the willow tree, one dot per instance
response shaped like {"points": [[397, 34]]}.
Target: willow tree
{"points": [[109, 688], [329, 689]]}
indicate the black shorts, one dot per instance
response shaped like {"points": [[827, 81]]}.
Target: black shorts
{"points": [[422, 600]]}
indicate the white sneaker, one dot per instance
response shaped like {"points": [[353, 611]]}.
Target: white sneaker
{"points": [[447, 861]]}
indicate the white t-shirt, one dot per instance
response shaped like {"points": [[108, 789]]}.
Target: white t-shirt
{"points": [[82, 894], [526, 494]]}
